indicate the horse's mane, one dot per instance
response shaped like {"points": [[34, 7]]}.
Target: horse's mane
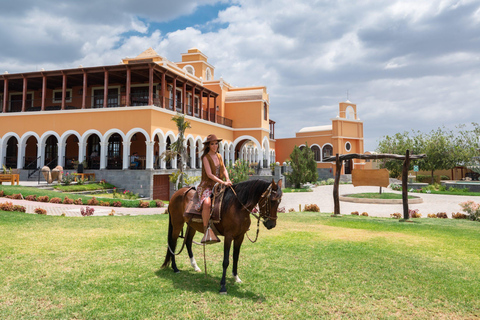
{"points": [[248, 193]]}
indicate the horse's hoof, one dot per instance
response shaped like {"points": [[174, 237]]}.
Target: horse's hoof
{"points": [[223, 290], [176, 271]]}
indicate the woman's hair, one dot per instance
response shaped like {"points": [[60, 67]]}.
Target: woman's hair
{"points": [[206, 149]]}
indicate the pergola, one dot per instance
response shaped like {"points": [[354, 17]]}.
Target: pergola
{"points": [[406, 163]]}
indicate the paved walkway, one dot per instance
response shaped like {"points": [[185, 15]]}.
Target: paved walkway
{"points": [[321, 196]]}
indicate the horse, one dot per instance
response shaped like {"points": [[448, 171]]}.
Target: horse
{"points": [[238, 203]]}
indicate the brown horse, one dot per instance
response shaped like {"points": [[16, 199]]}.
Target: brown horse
{"points": [[235, 220]]}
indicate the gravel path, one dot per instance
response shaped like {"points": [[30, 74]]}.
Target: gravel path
{"points": [[323, 197]]}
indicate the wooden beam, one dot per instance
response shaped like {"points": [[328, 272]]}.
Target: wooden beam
{"points": [[24, 93], [64, 90], [84, 91], [105, 88], [128, 86], [336, 198], [406, 164], [44, 91], [5, 94]]}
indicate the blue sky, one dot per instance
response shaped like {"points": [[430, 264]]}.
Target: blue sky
{"points": [[407, 64]]}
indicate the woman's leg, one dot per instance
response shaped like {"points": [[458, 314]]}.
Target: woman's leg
{"points": [[206, 206]]}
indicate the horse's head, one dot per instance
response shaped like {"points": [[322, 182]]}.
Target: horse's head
{"points": [[273, 196]]}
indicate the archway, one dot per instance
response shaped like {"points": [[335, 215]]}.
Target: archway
{"points": [[138, 151], [11, 154], [31, 153], [94, 152], [115, 152], [71, 151], [51, 152]]}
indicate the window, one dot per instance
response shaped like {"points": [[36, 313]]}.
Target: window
{"points": [[16, 101], [327, 151], [208, 74], [316, 153], [112, 98], [114, 146], [189, 69], [57, 96], [265, 110], [348, 146]]}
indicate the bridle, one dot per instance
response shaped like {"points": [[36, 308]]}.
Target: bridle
{"points": [[264, 205]]}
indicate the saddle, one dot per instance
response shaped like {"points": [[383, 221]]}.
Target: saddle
{"points": [[217, 200]]}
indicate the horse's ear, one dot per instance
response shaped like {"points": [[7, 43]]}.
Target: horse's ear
{"points": [[279, 184], [274, 186]]}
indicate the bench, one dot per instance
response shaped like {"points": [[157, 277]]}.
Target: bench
{"points": [[12, 178]]}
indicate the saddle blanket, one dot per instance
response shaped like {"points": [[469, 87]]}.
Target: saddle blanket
{"points": [[196, 216]]}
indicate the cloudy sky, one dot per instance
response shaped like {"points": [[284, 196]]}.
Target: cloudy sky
{"points": [[407, 64]]}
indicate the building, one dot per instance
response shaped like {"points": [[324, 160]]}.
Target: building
{"points": [[344, 135], [103, 115]]}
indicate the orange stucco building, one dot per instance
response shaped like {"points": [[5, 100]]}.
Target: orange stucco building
{"points": [[103, 115], [344, 135]]}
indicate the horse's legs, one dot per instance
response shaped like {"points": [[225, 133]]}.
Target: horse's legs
{"points": [[237, 243], [226, 253], [188, 242]]}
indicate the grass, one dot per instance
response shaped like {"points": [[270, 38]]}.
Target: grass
{"points": [[25, 191], [309, 266], [457, 192], [84, 187], [376, 195], [287, 190]]}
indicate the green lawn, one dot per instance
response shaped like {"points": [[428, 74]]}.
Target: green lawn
{"points": [[376, 195], [309, 266], [84, 187]]}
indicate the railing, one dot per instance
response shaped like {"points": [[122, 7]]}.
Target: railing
{"points": [[30, 163], [113, 101], [10, 162], [114, 163]]}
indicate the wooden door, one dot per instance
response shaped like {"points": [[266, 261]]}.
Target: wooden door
{"points": [[161, 187]]}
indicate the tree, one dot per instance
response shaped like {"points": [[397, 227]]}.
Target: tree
{"points": [[444, 149], [304, 167], [397, 144], [177, 148]]}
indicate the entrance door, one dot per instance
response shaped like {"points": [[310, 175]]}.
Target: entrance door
{"points": [[161, 187], [348, 166]]}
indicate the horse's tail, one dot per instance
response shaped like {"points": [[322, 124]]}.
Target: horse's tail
{"points": [[168, 256]]}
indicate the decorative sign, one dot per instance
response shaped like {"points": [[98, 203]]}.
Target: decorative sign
{"points": [[370, 177], [415, 168]]}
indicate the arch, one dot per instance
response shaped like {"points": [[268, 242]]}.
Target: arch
{"points": [[350, 113], [30, 159], [10, 151], [47, 134], [189, 69], [27, 135], [130, 134], [66, 134], [327, 150], [317, 152], [246, 137], [88, 133], [107, 134], [198, 151], [160, 134], [208, 74]]}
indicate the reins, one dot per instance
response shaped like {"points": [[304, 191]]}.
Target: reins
{"points": [[265, 197]]}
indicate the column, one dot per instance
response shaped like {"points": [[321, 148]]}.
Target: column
{"points": [[40, 154], [84, 94], [150, 85], [161, 149], [103, 155], [44, 91], [164, 89], [215, 109], [1, 157], [126, 152], [81, 151], [105, 89], [174, 94], [208, 107], [149, 155], [193, 158], [184, 98], [193, 100], [61, 154], [174, 162], [24, 96], [64, 90], [5, 94], [200, 101], [128, 85]]}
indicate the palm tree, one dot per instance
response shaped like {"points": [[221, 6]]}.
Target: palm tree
{"points": [[178, 147]]}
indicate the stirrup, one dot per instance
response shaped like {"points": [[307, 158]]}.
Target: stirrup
{"points": [[209, 237]]}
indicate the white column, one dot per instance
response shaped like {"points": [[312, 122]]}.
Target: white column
{"points": [[19, 157], [126, 152], [61, 154], [103, 154], [161, 150], [193, 156], [81, 151], [149, 155], [41, 154], [174, 162]]}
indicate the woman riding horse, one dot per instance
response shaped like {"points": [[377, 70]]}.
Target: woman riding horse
{"points": [[213, 171]]}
